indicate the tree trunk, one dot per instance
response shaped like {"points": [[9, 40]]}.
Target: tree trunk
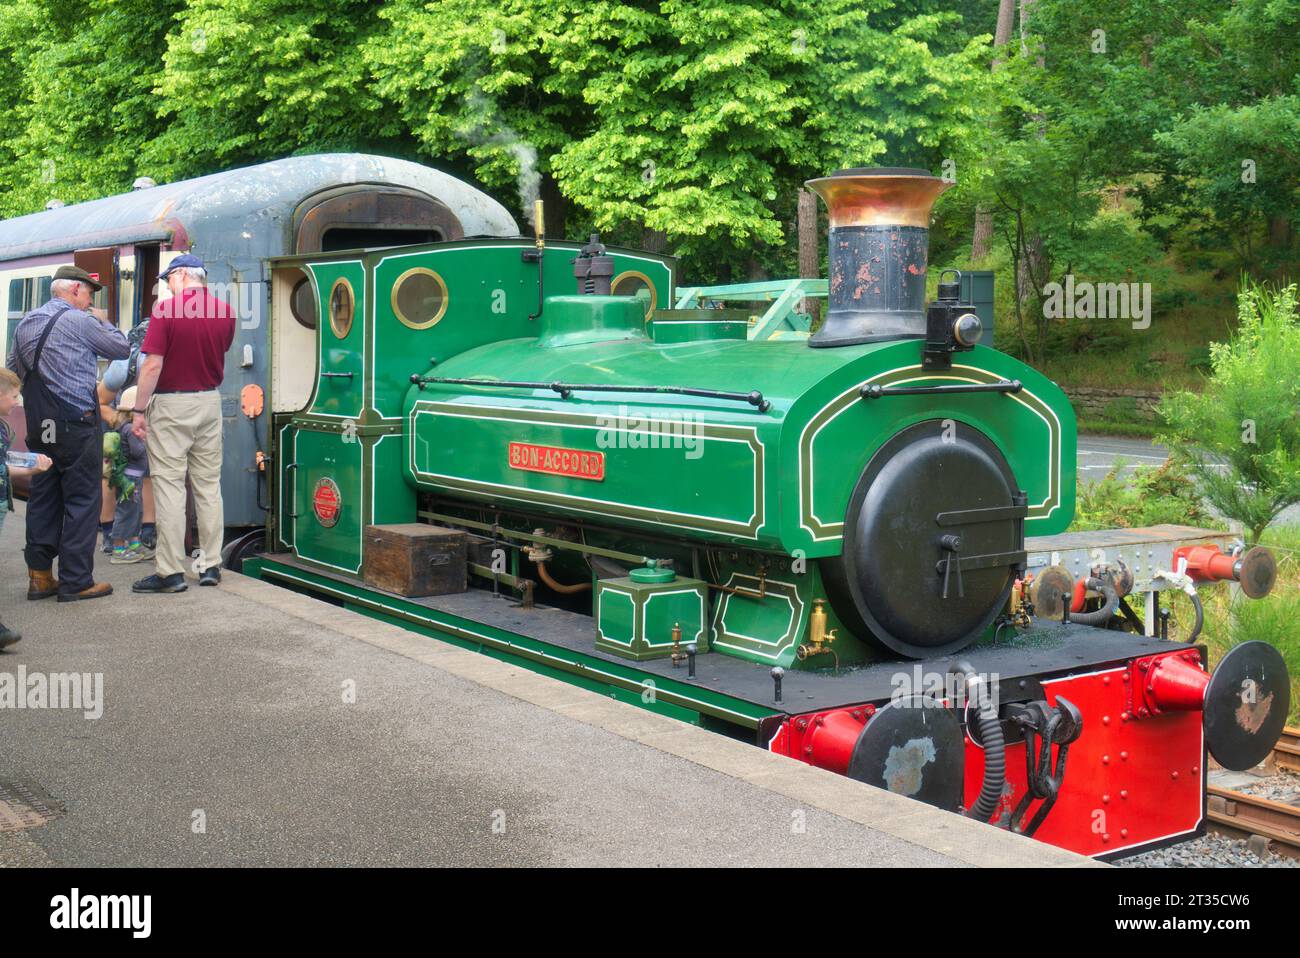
{"points": [[809, 248], [982, 239], [557, 207], [654, 241], [1006, 18]]}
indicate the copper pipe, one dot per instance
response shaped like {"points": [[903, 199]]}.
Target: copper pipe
{"points": [[560, 587], [760, 594]]}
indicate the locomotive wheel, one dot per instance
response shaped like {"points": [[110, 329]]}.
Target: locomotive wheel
{"points": [[933, 513], [246, 546]]}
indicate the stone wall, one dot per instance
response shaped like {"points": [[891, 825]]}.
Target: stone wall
{"points": [[1136, 404]]}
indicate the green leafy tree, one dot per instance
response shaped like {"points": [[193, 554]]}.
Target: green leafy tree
{"points": [[253, 80], [82, 75], [1240, 437], [696, 120]]}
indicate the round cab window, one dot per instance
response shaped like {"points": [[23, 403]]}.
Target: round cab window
{"points": [[302, 303], [341, 305], [636, 284], [419, 298]]}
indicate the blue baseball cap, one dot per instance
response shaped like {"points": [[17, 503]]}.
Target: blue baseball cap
{"points": [[184, 261]]}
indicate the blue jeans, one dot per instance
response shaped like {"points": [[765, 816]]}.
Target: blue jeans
{"points": [[127, 516]]}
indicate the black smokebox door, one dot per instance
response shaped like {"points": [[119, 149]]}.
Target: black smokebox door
{"points": [[925, 569]]}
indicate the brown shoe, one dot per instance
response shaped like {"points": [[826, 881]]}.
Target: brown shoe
{"points": [[41, 584], [96, 591]]}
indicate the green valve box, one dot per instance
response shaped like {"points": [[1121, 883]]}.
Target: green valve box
{"points": [[635, 617]]}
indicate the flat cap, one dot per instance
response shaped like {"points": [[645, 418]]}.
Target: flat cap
{"points": [[78, 275]]}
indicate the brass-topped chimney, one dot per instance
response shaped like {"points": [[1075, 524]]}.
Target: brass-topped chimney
{"points": [[879, 247]]}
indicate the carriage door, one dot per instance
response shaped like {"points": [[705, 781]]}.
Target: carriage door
{"points": [[101, 263]]}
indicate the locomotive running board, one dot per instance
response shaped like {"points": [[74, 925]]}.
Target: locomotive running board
{"points": [[725, 689]]}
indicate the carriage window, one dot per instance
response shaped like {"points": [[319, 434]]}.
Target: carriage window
{"points": [[636, 284], [419, 298], [302, 303], [19, 297], [43, 292], [341, 305]]}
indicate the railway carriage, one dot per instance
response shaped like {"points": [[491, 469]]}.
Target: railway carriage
{"points": [[235, 221]]}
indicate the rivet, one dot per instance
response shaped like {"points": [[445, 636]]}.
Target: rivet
{"points": [[1123, 756], [1105, 760], [1196, 769], [1173, 774], [1106, 837], [807, 750], [1105, 680], [801, 724], [1105, 799], [1123, 833], [1123, 793], [1105, 720], [1125, 676], [1123, 716], [1143, 666], [820, 720]]}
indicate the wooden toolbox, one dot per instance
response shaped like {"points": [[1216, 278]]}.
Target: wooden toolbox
{"points": [[415, 559]]}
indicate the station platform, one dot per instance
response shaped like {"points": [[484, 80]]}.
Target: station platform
{"points": [[250, 726]]}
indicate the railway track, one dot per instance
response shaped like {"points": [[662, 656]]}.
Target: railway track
{"points": [[1286, 753], [1237, 813]]}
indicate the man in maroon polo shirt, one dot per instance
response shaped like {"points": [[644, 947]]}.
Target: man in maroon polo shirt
{"points": [[178, 413]]}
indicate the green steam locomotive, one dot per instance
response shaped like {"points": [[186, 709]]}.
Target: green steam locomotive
{"points": [[523, 448]]}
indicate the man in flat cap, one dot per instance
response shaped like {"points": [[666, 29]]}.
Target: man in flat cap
{"points": [[55, 352]]}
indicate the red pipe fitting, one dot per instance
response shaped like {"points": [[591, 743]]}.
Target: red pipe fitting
{"points": [[831, 738], [1080, 596], [1170, 683], [1256, 569]]}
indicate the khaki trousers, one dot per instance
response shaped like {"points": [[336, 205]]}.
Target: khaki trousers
{"points": [[185, 434]]}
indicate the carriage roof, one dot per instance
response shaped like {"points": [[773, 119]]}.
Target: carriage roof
{"points": [[242, 199]]}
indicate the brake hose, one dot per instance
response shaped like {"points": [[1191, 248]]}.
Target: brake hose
{"points": [[1103, 615], [995, 753]]}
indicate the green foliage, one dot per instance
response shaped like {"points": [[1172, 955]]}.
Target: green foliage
{"points": [[694, 121], [249, 80], [1147, 109], [1241, 164], [697, 120], [1151, 496], [1240, 436], [82, 78]]}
